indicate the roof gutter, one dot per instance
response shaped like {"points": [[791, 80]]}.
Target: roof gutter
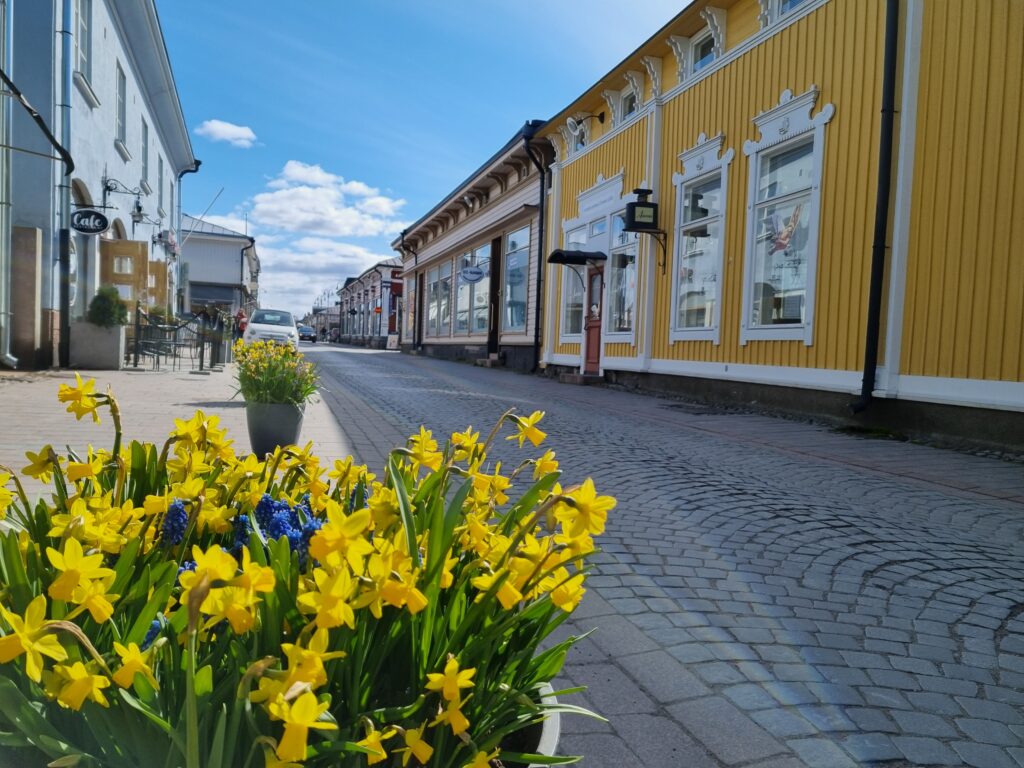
{"points": [[529, 131], [879, 246]]}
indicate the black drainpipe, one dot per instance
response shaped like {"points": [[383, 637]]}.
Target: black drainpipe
{"points": [[878, 248], [416, 340], [529, 131]]}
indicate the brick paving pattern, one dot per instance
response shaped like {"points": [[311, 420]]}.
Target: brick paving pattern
{"points": [[770, 593]]}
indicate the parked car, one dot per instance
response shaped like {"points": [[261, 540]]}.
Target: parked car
{"points": [[306, 333], [271, 325]]}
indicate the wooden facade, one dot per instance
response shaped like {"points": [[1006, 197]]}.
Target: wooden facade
{"points": [[761, 119]]}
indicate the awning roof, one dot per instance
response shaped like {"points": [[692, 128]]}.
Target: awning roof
{"points": [[576, 258]]}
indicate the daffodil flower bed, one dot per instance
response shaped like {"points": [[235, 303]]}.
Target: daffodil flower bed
{"points": [[181, 605]]}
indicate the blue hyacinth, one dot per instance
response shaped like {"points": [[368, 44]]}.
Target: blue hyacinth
{"points": [[175, 521], [242, 529], [280, 525], [151, 633]]}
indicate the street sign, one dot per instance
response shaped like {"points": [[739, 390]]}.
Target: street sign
{"points": [[89, 222], [472, 274]]}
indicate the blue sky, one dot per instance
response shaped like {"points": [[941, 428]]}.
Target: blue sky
{"points": [[330, 124]]}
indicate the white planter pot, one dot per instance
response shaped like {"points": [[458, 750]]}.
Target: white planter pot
{"points": [[96, 348], [552, 728]]}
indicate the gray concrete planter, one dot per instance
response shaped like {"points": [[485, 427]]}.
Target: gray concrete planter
{"points": [[273, 424], [95, 348]]}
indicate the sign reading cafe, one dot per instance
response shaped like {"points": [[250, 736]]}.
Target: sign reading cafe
{"points": [[89, 222], [472, 274]]}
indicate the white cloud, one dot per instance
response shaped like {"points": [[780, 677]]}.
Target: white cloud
{"points": [[324, 211], [219, 130]]}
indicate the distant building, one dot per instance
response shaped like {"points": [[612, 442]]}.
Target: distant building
{"points": [[371, 304], [219, 268], [99, 75]]}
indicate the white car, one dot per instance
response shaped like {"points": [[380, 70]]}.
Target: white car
{"points": [[271, 325]]}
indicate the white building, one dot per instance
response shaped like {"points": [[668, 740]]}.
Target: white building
{"points": [[219, 267], [98, 73], [371, 304]]}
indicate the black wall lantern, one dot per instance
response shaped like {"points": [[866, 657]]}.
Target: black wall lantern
{"points": [[642, 218]]}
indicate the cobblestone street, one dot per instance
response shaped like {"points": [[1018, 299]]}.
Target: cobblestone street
{"points": [[770, 593]]}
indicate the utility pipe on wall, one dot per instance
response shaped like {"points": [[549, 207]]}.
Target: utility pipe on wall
{"points": [[64, 189], [6, 245], [879, 247], [529, 131]]}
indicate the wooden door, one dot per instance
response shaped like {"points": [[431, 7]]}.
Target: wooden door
{"points": [[595, 286]]}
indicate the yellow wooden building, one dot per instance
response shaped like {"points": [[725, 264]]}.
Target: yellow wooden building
{"points": [[796, 148]]}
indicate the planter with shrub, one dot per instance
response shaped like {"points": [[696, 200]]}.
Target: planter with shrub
{"points": [[98, 342]]}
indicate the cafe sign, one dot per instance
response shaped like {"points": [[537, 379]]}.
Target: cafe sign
{"points": [[89, 222], [472, 274]]}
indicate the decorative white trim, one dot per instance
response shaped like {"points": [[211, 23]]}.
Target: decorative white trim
{"points": [[600, 199], [702, 160], [622, 364], [681, 47], [715, 18], [653, 66], [635, 78], [1000, 395], [614, 101], [903, 194], [765, 15], [789, 121], [778, 375], [122, 150]]}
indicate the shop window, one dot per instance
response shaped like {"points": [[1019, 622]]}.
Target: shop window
{"points": [[444, 299], [463, 295], [781, 253], [573, 289], [517, 263], [481, 294], [621, 278], [122, 265], [431, 329], [700, 207]]}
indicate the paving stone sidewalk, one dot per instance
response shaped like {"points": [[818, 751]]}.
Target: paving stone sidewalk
{"points": [[771, 594], [150, 401]]}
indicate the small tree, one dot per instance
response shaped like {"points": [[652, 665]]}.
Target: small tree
{"points": [[106, 308]]}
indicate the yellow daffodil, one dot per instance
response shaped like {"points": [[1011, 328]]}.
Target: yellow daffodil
{"points": [[299, 716], [29, 635], [451, 680], [452, 715], [465, 443], [383, 506], [91, 594], [306, 665], [133, 662], [40, 464], [415, 746], [587, 513], [80, 398], [74, 566], [341, 539], [508, 595], [77, 684], [526, 429], [545, 465], [6, 497], [330, 600], [482, 759], [423, 450], [85, 470], [374, 742], [568, 590]]}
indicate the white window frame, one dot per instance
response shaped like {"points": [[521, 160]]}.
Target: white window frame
{"points": [[701, 162], [685, 48], [160, 186], [772, 11], [523, 252], [121, 85], [609, 335], [786, 124], [145, 158], [83, 38], [624, 94], [579, 279], [695, 42]]}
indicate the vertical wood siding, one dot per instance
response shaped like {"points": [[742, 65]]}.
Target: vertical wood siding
{"points": [[741, 22], [824, 49], [964, 310]]}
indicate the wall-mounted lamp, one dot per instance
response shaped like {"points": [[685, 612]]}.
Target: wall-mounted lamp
{"points": [[642, 218]]}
